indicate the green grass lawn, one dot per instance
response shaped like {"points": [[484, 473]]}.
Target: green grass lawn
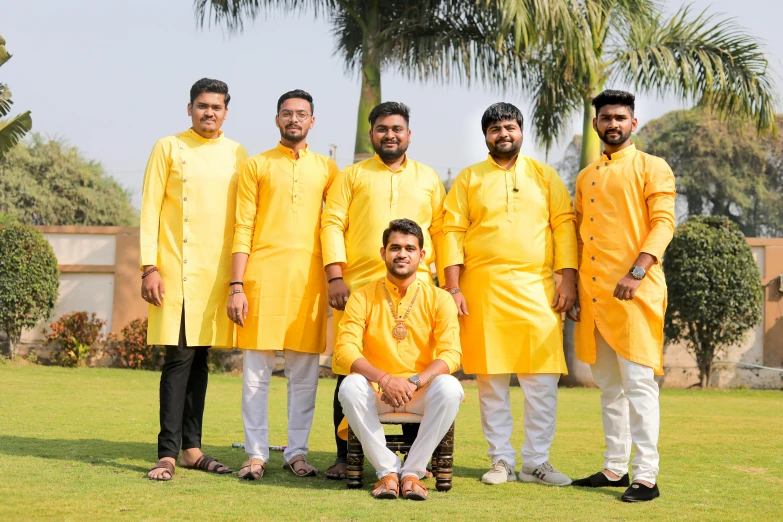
{"points": [[75, 445]]}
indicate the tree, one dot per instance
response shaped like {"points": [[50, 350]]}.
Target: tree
{"points": [[423, 39], [722, 170], [29, 280], [13, 129], [701, 58], [47, 182], [715, 292]]}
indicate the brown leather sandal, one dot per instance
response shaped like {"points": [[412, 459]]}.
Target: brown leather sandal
{"points": [[412, 494], [300, 467], [252, 475], [389, 492], [162, 464], [203, 463]]}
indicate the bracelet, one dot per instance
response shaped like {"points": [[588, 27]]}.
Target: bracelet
{"points": [[334, 279], [452, 291], [240, 283], [149, 271], [379, 380], [232, 292]]}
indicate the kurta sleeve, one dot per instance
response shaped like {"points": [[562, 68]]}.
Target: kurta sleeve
{"points": [[455, 221], [659, 193], [562, 221], [332, 173], [334, 221], [436, 228], [350, 345], [153, 193], [446, 332], [247, 206], [579, 217]]}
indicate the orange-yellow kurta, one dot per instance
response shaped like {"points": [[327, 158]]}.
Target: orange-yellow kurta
{"points": [[624, 206], [511, 243], [187, 224], [278, 222], [361, 203]]}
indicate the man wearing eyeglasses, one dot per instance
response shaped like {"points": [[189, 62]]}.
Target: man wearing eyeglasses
{"points": [[278, 289]]}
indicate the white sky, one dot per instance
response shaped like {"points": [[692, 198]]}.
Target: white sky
{"points": [[112, 77]]}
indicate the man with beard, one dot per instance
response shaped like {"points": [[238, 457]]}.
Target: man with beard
{"points": [[366, 196], [278, 290], [509, 226], [625, 217], [401, 333], [187, 222]]}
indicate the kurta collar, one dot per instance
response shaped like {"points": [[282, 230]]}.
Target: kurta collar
{"points": [[395, 293], [620, 154], [402, 166], [190, 133], [289, 153], [495, 163]]}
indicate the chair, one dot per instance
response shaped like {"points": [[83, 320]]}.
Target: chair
{"points": [[442, 458]]}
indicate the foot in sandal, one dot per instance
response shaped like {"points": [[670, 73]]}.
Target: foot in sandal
{"points": [[413, 489], [299, 466], [387, 488], [252, 469], [193, 458], [162, 470]]}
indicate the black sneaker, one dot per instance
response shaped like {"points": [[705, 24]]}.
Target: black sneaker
{"points": [[599, 480], [640, 493]]}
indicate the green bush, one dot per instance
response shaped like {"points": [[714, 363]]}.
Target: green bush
{"points": [[131, 347], [29, 280], [715, 293], [73, 336]]}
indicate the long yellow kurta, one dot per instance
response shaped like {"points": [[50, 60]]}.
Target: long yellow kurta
{"points": [[278, 222], [511, 243], [187, 224], [361, 203], [624, 206]]}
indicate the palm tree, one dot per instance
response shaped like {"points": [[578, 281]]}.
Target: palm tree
{"points": [[468, 40], [711, 61], [13, 129]]}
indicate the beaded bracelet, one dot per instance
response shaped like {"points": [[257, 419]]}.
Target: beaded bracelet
{"points": [[149, 271]]}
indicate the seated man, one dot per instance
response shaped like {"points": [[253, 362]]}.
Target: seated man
{"points": [[402, 334]]}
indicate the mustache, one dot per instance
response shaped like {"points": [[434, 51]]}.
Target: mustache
{"points": [[293, 126], [399, 260]]}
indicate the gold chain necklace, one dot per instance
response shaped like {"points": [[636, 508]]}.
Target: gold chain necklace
{"points": [[399, 331]]}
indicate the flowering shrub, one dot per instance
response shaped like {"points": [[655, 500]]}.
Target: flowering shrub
{"points": [[131, 347], [73, 336]]}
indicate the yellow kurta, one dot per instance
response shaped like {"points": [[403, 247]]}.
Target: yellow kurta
{"points": [[511, 243], [624, 206], [187, 224], [366, 329], [361, 203], [278, 222]]}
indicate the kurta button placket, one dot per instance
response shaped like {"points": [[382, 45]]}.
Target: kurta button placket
{"points": [[184, 198], [185, 278]]}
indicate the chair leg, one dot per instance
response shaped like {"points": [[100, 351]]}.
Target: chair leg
{"points": [[355, 470], [445, 461]]}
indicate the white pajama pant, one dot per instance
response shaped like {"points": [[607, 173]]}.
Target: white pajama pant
{"points": [[301, 369], [540, 391], [630, 410], [438, 405]]}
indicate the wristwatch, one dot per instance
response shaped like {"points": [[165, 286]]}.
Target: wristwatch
{"points": [[638, 273], [414, 379]]}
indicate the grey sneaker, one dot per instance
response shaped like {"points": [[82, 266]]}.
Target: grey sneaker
{"points": [[543, 474], [499, 473]]}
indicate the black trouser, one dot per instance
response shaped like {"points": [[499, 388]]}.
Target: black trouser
{"points": [[183, 388], [409, 430]]}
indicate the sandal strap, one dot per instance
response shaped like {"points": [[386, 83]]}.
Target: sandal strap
{"points": [[164, 464], [416, 482], [255, 461], [391, 477], [204, 461], [307, 470]]}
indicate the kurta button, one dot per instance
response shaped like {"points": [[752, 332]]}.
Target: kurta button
{"points": [[593, 182], [592, 258], [186, 278], [186, 179], [185, 198], [597, 167], [185, 241], [606, 164], [594, 279], [591, 219], [181, 146], [592, 200], [594, 299], [185, 261], [183, 161], [591, 238], [186, 219]]}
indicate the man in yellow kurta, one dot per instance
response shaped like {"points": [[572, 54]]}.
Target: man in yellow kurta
{"points": [[401, 333], [509, 226], [278, 289], [362, 201], [187, 223], [625, 219]]}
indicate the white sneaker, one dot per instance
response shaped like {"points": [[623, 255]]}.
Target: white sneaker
{"points": [[543, 474], [499, 473]]}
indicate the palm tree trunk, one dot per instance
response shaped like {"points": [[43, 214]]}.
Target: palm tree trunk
{"points": [[371, 89], [591, 144]]}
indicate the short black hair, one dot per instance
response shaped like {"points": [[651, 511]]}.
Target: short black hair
{"points": [[613, 97], [209, 85], [404, 226], [299, 94], [501, 111], [388, 109]]}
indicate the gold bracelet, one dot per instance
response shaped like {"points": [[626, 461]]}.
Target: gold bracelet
{"points": [[232, 292]]}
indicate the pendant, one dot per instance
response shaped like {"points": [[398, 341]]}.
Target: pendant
{"points": [[399, 331]]}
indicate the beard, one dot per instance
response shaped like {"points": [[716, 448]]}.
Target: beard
{"points": [[390, 154], [504, 149], [615, 139], [293, 133], [400, 273]]}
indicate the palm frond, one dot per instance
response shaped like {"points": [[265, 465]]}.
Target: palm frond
{"points": [[233, 14], [705, 59], [4, 56], [5, 100], [13, 130]]}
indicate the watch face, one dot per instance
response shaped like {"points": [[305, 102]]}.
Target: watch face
{"points": [[638, 272], [414, 379]]}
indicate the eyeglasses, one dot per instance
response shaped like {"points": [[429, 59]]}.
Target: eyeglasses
{"points": [[288, 115]]}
